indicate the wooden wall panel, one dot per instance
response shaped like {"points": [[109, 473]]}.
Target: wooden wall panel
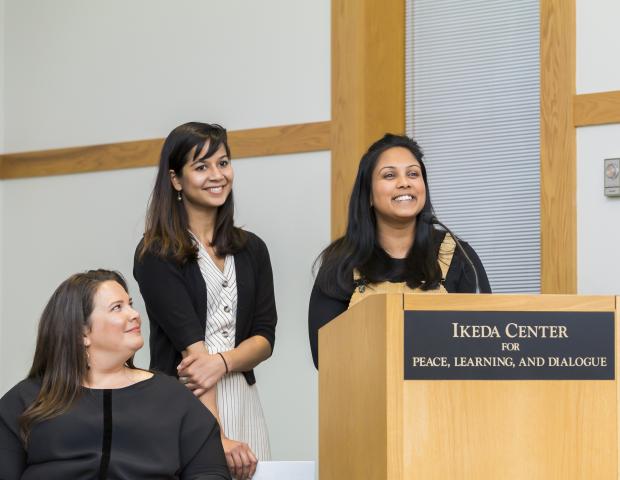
{"points": [[558, 209], [307, 137], [596, 108], [510, 429], [368, 87], [544, 430], [348, 448]]}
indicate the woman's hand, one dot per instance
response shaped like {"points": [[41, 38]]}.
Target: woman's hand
{"points": [[200, 371], [241, 460]]}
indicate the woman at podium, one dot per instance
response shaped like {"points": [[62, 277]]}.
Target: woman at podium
{"points": [[390, 244]]}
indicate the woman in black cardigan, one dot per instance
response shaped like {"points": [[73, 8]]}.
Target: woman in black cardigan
{"points": [[208, 289]]}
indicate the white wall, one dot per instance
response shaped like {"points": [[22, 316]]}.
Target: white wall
{"points": [[598, 46], [2, 73], [598, 225], [2, 283], [81, 72], [598, 216], [55, 226], [84, 72], [2, 22], [291, 213]]}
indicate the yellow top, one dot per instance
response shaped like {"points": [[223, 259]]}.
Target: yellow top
{"points": [[446, 252]]}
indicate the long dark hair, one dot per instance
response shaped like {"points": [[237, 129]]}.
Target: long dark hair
{"points": [[166, 233], [359, 248], [60, 358]]}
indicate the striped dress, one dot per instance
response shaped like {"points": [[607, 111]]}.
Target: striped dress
{"points": [[238, 403]]}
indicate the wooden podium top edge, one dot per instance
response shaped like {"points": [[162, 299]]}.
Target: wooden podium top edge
{"points": [[524, 303]]}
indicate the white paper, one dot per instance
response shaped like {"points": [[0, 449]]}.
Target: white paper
{"points": [[284, 471]]}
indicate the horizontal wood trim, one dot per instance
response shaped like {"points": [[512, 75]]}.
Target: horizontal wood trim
{"points": [[596, 108], [92, 158], [296, 138], [503, 302], [257, 142]]}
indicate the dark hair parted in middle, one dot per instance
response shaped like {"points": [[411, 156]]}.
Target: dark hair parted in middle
{"points": [[166, 232], [359, 248], [60, 357]]}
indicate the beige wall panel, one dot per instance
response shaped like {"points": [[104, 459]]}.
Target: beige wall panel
{"points": [[510, 429]]}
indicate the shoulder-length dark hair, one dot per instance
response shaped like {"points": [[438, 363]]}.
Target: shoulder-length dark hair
{"points": [[60, 359], [359, 248], [166, 233]]}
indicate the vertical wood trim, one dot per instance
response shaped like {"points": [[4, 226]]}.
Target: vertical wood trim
{"points": [[617, 370], [368, 88], [558, 210], [352, 385], [395, 372]]}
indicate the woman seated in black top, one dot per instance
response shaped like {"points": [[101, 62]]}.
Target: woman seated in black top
{"points": [[86, 412], [389, 246]]}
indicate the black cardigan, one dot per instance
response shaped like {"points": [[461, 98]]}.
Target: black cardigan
{"points": [[324, 307], [176, 302]]}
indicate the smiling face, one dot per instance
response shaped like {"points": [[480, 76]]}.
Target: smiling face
{"points": [[114, 329], [398, 190], [204, 182]]}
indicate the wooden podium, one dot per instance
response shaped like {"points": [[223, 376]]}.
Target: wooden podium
{"points": [[374, 425]]}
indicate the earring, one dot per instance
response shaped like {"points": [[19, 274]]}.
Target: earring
{"points": [[179, 198], [87, 360]]}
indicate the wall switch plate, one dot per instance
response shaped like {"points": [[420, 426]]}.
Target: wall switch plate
{"points": [[612, 177]]}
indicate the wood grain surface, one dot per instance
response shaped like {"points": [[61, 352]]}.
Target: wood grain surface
{"points": [[368, 88], [558, 208], [596, 108], [307, 137]]}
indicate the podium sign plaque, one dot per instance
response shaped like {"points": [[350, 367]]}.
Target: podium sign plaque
{"points": [[453, 345]]}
